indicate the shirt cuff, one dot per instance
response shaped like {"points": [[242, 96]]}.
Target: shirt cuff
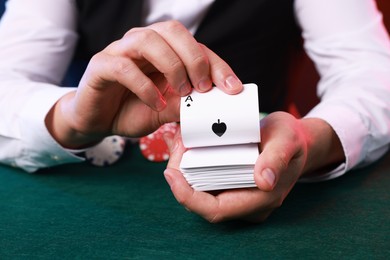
{"points": [[343, 121], [337, 172], [40, 149]]}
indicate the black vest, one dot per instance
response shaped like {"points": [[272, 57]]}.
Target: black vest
{"points": [[253, 36]]}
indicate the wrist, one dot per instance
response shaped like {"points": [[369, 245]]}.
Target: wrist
{"points": [[323, 145], [59, 124]]}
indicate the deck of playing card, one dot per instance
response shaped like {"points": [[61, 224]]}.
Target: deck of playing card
{"points": [[222, 133]]}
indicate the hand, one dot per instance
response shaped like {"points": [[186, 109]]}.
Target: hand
{"points": [[286, 144], [133, 86]]}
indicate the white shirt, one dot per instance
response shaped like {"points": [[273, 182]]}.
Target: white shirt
{"points": [[346, 40]]}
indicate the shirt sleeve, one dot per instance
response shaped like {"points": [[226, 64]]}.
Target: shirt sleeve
{"points": [[351, 50], [37, 41]]}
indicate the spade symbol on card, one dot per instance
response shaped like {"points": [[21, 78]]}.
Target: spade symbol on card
{"points": [[219, 128], [189, 100]]}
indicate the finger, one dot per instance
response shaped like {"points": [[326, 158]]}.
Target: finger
{"points": [[244, 204], [231, 204], [176, 149], [201, 203], [221, 73], [190, 52], [105, 68], [146, 44], [172, 111], [159, 81], [280, 144]]}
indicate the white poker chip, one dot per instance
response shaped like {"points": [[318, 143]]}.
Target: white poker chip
{"points": [[107, 152]]}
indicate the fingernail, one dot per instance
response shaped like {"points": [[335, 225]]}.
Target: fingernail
{"points": [[168, 178], [185, 88], [233, 83], [204, 84], [269, 176]]}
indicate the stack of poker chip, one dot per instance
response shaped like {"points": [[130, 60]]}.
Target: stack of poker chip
{"points": [[111, 149]]}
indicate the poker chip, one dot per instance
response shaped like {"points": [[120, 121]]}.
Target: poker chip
{"points": [[153, 146], [107, 152]]}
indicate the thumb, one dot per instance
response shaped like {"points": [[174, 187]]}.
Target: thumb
{"points": [[283, 149], [270, 164]]}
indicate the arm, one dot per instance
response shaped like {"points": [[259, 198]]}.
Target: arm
{"points": [[37, 40], [127, 88], [350, 126], [351, 51]]}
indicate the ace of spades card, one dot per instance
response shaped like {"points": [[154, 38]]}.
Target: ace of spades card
{"points": [[222, 133]]}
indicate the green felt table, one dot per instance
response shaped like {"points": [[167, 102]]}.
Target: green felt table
{"points": [[126, 211]]}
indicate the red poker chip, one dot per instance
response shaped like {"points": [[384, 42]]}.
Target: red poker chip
{"points": [[153, 146]]}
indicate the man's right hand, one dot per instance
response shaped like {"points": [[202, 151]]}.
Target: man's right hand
{"points": [[134, 85]]}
